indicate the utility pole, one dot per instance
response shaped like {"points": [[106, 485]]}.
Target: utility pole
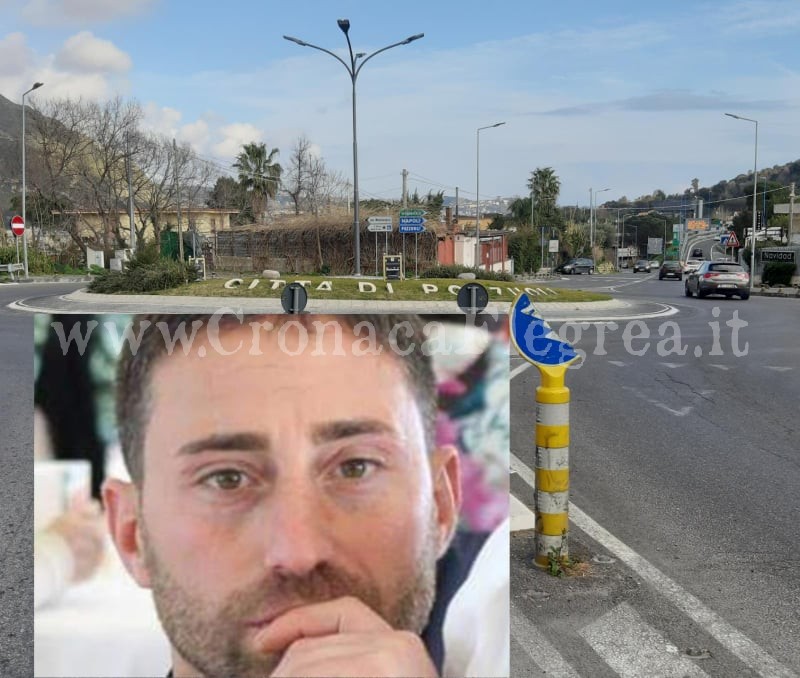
{"points": [[791, 215], [178, 197], [456, 203], [130, 192], [405, 189]]}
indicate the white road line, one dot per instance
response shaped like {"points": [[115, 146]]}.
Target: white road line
{"points": [[678, 413], [728, 636], [779, 369], [633, 648], [618, 363], [522, 518], [538, 648], [672, 366], [720, 367], [519, 369]]}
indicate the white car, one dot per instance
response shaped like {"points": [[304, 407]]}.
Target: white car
{"points": [[692, 265]]}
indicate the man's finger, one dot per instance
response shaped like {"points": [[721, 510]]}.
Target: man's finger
{"points": [[342, 615]]}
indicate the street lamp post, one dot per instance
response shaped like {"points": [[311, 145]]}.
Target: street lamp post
{"points": [[353, 70], [592, 218], [478, 193], [755, 191], [36, 85]]}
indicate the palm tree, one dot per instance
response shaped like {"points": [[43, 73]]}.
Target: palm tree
{"points": [[259, 175], [545, 186]]}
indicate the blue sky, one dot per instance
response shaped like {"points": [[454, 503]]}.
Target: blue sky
{"points": [[626, 95]]}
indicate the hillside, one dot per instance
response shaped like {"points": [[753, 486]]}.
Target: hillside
{"points": [[10, 158]]}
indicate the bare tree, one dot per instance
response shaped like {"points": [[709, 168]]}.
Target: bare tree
{"points": [[297, 176]]}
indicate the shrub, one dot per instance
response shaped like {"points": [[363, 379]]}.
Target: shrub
{"points": [[778, 273], [453, 270], [37, 261], [139, 277]]}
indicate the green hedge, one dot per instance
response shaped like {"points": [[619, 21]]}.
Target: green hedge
{"points": [[778, 273], [453, 270], [37, 262]]}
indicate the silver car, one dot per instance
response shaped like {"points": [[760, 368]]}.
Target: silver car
{"points": [[718, 277]]}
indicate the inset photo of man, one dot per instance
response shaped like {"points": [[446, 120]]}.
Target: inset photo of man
{"points": [[284, 495]]}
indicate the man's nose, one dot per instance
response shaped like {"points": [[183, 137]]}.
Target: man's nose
{"points": [[298, 536]]}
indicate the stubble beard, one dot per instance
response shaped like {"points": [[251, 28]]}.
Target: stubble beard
{"points": [[208, 636]]}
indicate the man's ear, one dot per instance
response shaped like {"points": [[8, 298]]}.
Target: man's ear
{"points": [[447, 492], [120, 500]]}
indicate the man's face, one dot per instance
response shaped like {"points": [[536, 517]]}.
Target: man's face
{"points": [[275, 481]]}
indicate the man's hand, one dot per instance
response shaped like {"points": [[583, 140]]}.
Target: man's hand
{"points": [[343, 637]]}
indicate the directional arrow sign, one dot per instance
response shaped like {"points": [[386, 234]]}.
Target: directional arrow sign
{"points": [[411, 228], [379, 220], [412, 213], [379, 224], [411, 221]]}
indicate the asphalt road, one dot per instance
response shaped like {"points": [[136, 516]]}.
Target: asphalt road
{"points": [[693, 462]]}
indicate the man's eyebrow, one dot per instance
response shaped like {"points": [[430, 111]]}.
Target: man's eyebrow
{"points": [[238, 442], [347, 428]]}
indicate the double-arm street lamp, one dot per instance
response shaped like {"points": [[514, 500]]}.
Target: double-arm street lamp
{"points": [[478, 193], [353, 69], [755, 191], [36, 85]]}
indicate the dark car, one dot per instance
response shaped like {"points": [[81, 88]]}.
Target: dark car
{"points": [[718, 277], [697, 253], [574, 266], [641, 265], [670, 269]]}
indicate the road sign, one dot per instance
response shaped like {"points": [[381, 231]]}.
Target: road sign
{"points": [[17, 225], [732, 241], [412, 213], [411, 228], [411, 221], [379, 226], [472, 298], [379, 220], [392, 267]]}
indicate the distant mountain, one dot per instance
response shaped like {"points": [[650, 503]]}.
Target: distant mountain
{"points": [[10, 151]]}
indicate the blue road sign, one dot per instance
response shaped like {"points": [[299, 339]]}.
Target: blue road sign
{"points": [[534, 339], [411, 221], [411, 228]]}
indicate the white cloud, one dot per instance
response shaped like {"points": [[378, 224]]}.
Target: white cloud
{"points": [[234, 136], [15, 55], [86, 53], [161, 119], [197, 134], [57, 12]]}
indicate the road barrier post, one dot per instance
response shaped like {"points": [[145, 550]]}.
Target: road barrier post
{"points": [[538, 344]]}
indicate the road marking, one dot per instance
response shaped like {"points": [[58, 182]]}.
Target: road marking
{"points": [[522, 518], [618, 363], [538, 648], [633, 648], [779, 369], [720, 367], [731, 638], [672, 366], [519, 369], [678, 413]]}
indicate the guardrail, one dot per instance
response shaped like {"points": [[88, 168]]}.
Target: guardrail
{"points": [[11, 269]]}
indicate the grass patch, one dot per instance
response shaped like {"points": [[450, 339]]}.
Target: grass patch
{"points": [[326, 287]]}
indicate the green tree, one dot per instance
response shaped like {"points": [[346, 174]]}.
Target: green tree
{"points": [[434, 202], [259, 175], [229, 193], [546, 186], [577, 239]]}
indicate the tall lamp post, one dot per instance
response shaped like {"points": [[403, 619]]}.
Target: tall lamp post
{"points": [[36, 85], [478, 193], [592, 200], [755, 204], [353, 70]]}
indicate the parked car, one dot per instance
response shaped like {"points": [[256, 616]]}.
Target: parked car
{"points": [[718, 277], [670, 269], [574, 266], [641, 265], [691, 265]]}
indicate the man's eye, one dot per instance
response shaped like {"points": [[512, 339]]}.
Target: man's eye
{"points": [[354, 469], [227, 479]]}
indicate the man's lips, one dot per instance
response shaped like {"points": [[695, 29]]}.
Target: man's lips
{"points": [[271, 616]]}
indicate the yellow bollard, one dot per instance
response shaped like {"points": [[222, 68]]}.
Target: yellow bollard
{"points": [[540, 346]]}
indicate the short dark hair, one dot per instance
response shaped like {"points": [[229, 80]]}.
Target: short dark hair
{"points": [[136, 365]]}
